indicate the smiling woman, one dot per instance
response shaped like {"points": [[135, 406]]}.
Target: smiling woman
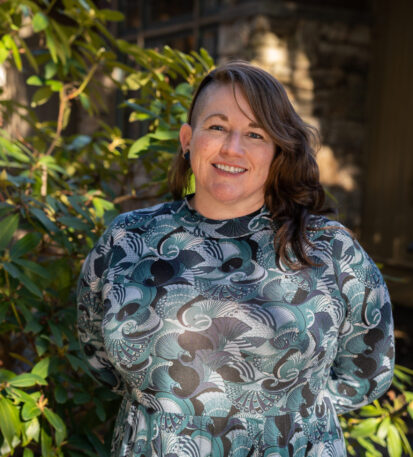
{"points": [[237, 321]]}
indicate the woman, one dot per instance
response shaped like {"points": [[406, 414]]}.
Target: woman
{"points": [[238, 321]]}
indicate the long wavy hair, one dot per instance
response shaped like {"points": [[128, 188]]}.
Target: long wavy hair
{"points": [[292, 191]]}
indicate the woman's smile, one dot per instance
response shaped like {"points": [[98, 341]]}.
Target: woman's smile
{"points": [[231, 169]]}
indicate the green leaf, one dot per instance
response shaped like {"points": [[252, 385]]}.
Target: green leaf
{"points": [[60, 394], [26, 244], [33, 429], [74, 222], [410, 411], [56, 422], [27, 380], [57, 334], [138, 146], [6, 375], [370, 411], [165, 134], [383, 429], [79, 142], [9, 420], [100, 449], [184, 89], [50, 162], [8, 227], [81, 397], [365, 428], [24, 280], [19, 394], [41, 216], [35, 80], [100, 410], [42, 368], [41, 96], [398, 368], [28, 452], [46, 444], [50, 69], [54, 85], [30, 410], [77, 363], [66, 116], [34, 268], [4, 53], [378, 440], [64, 39], [33, 326], [28, 54], [101, 206], [12, 149], [111, 15], [85, 101], [6, 450], [137, 80], [140, 109], [41, 343], [78, 204], [206, 57], [370, 447], [394, 443], [40, 22], [136, 116], [10, 44]]}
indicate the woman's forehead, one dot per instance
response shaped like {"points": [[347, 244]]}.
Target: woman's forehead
{"points": [[214, 99]]}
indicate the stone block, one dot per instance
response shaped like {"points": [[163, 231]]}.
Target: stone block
{"points": [[227, 45]]}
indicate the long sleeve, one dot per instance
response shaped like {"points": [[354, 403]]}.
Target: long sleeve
{"points": [[364, 362], [90, 312]]}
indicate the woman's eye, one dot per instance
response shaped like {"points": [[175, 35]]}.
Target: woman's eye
{"points": [[256, 136], [216, 127]]}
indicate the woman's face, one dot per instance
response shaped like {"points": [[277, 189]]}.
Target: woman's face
{"points": [[230, 154]]}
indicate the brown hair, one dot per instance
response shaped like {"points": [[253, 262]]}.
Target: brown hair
{"points": [[292, 191]]}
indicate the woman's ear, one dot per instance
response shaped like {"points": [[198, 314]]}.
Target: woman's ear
{"points": [[185, 135]]}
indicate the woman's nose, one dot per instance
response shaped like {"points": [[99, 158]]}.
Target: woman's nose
{"points": [[233, 143]]}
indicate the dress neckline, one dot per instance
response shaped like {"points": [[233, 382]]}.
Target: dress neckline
{"points": [[237, 227]]}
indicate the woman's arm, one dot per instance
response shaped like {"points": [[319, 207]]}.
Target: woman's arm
{"points": [[363, 366], [91, 309]]}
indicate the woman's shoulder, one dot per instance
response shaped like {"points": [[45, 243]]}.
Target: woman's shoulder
{"points": [[325, 229], [139, 217], [317, 222]]}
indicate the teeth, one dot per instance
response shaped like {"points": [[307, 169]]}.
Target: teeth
{"points": [[229, 169]]}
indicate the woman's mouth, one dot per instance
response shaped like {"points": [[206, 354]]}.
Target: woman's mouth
{"points": [[229, 169]]}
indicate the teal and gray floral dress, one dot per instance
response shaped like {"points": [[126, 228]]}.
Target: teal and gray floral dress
{"points": [[219, 351]]}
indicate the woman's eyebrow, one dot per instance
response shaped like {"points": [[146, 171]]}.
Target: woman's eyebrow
{"points": [[220, 115], [254, 125]]}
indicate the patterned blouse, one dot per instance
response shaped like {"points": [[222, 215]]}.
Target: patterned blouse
{"points": [[217, 349]]}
